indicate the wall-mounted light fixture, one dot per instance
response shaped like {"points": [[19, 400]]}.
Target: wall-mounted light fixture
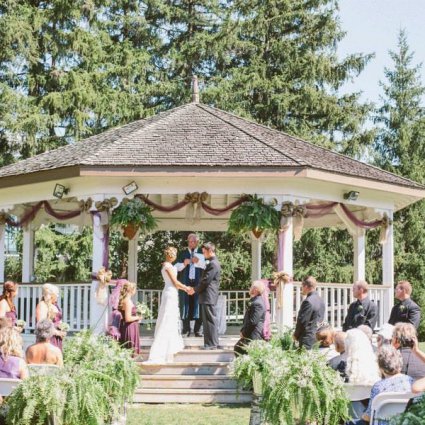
{"points": [[352, 195], [60, 190], [130, 188]]}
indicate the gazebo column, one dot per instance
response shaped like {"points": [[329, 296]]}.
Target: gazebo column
{"points": [[359, 240], [133, 245], [256, 244], [98, 312], [285, 312], [28, 253], [2, 251], [388, 270]]}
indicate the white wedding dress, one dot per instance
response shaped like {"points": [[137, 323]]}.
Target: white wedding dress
{"points": [[167, 339]]}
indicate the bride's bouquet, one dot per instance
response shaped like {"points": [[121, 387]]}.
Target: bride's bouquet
{"points": [[146, 313]]}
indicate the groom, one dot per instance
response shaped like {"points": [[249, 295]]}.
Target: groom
{"points": [[208, 296]]}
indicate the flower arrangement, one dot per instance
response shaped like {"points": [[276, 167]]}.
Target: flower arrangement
{"points": [[132, 215], [63, 326], [146, 313], [254, 215], [21, 323]]}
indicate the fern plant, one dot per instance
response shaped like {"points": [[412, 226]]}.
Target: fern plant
{"points": [[98, 378], [255, 216]]}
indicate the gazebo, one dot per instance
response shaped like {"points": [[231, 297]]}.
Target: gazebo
{"points": [[198, 157]]}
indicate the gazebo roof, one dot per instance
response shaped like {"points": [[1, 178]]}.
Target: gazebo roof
{"points": [[196, 137]]}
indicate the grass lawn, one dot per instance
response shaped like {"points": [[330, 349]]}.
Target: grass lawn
{"points": [[422, 346], [188, 414]]}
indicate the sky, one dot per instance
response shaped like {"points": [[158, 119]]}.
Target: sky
{"points": [[372, 26]]}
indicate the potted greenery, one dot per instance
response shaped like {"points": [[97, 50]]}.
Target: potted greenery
{"points": [[254, 215], [98, 378], [132, 215]]}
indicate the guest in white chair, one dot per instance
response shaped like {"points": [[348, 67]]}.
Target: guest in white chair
{"points": [[12, 364], [390, 363], [43, 351]]}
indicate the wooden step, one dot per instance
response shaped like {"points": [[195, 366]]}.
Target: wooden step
{"points": [[187, 381], [196, 355], [185, 368], [227, 396], [226, 342]]}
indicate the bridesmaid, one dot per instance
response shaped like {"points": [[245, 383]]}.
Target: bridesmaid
{"points": [[48, 308], [7, 307], [129, 329]]}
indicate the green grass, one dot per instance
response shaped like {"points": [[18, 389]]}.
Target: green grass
{"points": [[188, 414], [422, 346]]}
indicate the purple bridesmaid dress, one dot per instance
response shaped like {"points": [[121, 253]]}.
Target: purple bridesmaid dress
{"points": [[130, 333], [9, 367], [12, 316], [55, 339]]}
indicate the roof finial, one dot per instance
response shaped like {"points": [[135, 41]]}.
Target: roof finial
{"points": [[195, 89]]}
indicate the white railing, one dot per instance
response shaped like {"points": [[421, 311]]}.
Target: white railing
{"points": [[75, 303]]}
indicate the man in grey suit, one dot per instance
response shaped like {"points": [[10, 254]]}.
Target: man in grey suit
{"points": [[207, 291], [311, 313], [253, 321]]}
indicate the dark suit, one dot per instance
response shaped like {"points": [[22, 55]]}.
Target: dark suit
{"points": [[339, 363], [189, 307], [406, 311], [253, 323], [311, 313], [208, 295], [361, 313]]}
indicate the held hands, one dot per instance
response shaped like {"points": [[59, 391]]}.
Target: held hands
{"points": [[189, 290], [195, 259], [186, 261]]}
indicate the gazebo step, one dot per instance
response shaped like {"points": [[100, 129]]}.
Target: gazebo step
{"points": [[185, 368], [187, 382], [227, 396], [226, 342], [196, 355]]}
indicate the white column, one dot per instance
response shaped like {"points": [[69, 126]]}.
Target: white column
{"points": [[98, 313], [27, 254], [132, 258], [359, 255], [256, 257], [388, 270], [2, 250], [285, 264]]}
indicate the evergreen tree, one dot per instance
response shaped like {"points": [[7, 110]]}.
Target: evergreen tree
{"points": [[400, 148]]}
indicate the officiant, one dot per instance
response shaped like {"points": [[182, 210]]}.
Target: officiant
{"points": [[190, 264]]}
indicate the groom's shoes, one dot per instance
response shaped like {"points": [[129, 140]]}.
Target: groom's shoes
{"points": [[207, 347], [198, 334]]}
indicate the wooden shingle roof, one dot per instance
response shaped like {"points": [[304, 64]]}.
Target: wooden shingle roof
{"points": [[198, 136]]}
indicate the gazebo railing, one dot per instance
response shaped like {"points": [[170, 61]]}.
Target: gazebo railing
{"points": [[75, 303]]}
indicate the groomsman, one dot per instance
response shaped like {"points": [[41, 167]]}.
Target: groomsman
{"points": [[363, 311], [311, 313], [406, 310], [253, 321], [208, 290], [190, 264]]}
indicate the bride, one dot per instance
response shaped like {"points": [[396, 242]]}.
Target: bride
{"points": [[168, 339]]}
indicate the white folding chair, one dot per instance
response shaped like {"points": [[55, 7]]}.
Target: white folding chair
{"points": [[7, 385], [386, 405], [42, 369]]}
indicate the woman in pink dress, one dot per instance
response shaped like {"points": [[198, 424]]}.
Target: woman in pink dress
{"points": [[129, 328], [7, 307], [48, 308]]}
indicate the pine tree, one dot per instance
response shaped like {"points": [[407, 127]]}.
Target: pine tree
{"points": [[400, 148]]}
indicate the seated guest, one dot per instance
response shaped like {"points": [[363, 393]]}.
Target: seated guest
{"points": [[7, 306], [253, 321], [362, 367], [43, 351], [339, 363], [12, 365], [325, 338], [363, 310], [385, 335], [404, 336], [390, 363], [406, 311]]}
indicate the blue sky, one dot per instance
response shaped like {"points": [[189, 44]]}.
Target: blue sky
{"points": [[373, 26]]}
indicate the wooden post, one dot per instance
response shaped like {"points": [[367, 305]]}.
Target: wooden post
{"points": [[28, 254], [2, 251], [256, 244], [388, 270], [359, 255]]}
